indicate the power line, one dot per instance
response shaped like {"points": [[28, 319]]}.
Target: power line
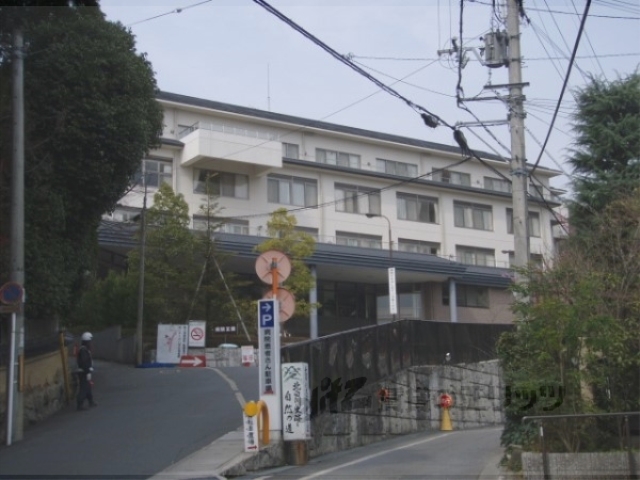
{"points": [[343, 59], [175, 10], [533, 59], [564, 85]]}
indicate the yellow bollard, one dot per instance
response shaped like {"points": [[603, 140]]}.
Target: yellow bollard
{"points": [[251, 409], [446, 402], [445, 424]]}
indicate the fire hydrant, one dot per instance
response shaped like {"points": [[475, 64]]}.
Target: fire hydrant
{"points": [[446, 402]]}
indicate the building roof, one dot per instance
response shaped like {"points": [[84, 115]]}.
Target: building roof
{"points": [[332, 127]]}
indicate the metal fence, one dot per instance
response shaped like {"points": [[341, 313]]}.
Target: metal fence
{"points": [[378, 352]]}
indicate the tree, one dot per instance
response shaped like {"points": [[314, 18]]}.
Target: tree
{"points": [[90, 117], [297, 246], [606, 157], [172, 263], [576, 346]]}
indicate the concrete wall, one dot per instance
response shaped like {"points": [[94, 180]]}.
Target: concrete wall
{"points": [[44, 392], [111, 346], [580, 466], [413, 406]]}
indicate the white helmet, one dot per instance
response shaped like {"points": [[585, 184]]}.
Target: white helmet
{"points": [[87, 337]]}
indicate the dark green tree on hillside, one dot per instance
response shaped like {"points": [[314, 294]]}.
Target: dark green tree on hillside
{"points": [[606, 157], [90, 117]]}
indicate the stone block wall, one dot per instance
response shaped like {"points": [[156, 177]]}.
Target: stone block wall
{"points": [[477, 390], [580, 466]]}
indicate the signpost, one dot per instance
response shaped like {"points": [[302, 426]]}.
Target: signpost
{"points": [[269, 341], [393, 299], [248, 355], [197, 333], [172, 343]]}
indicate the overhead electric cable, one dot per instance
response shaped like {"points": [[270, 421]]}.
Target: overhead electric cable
{"points": [[175, 10], [564, 85], [346, 61], [586, 36], [534, 59]]}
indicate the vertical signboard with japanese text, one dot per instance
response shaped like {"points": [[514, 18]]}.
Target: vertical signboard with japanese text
{"points": [[393, 299], [172, 343], [250, 433], [269, 357], [296, 411]]}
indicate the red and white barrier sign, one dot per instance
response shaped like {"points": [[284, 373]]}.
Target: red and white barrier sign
{"points": [[193, 361]]}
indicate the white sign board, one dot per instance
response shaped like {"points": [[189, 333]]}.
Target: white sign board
{"points": [[250, 433], [248, 354], [197, 333], [393, 299], [269, 358], [172, 343], [296, 409]]}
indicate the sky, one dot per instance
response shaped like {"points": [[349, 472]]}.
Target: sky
{"points": [[235, 51]]}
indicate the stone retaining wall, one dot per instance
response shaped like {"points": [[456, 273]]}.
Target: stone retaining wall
{"points": [[580, 466], [412, 407]]}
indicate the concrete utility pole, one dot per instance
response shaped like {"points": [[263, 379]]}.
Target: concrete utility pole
{"points": [[15, 408], [519, 174], [143, 242]]}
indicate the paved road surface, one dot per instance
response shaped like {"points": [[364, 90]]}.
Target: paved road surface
{"points": [[146, 420], [459, 455]]}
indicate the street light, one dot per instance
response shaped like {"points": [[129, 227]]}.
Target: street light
{"points": [[373, 215], [392, 273]]}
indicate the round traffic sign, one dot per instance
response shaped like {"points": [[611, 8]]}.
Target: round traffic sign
{"points": [[197, 333], [272, 260], [287, 303], [11, 293]]}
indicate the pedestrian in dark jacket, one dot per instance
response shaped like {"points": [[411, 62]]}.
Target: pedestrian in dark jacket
{"points": [[85, 368]]}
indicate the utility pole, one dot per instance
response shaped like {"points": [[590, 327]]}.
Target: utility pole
{"points": [[519, 173], [143, 241], [15, 400]]}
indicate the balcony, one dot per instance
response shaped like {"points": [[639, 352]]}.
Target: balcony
{"points": [[210, 141]]}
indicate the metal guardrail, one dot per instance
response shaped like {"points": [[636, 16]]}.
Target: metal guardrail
{"points": [[633, 468]]}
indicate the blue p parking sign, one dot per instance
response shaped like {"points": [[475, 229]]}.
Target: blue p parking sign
{"points": [[266, 314]]}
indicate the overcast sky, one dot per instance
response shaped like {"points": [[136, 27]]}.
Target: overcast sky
{"points": [[235, 51]]}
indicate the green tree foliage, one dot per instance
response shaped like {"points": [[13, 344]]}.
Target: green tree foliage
{"points": [[90, 117], [110, 301], [297, 246], [606, 157], [579, 333], [172, 262]]}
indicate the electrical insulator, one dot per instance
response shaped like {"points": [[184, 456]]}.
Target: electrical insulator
{"points": [[496, 49]]}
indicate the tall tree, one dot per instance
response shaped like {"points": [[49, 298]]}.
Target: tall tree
{"points": [[576, 346], [90, 117], [606, 157]]}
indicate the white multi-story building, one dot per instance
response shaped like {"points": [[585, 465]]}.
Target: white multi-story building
{"points": [[370, 199]]}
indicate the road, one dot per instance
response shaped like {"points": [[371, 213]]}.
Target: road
{"points": [[146, 420], [460, 455]]}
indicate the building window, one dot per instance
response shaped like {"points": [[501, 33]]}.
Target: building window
{"points": [[357, 199], [290, 150], [449, 176], [302, 192], [535, 260], [221, 184], [471, 215], [341, 159], [467, 296], [418, 246], [534, 223], [308, 230], [224, 225], [358, 240], [396, 168], [497, 185], [156, 172], [476, 256], [417, 208]]}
